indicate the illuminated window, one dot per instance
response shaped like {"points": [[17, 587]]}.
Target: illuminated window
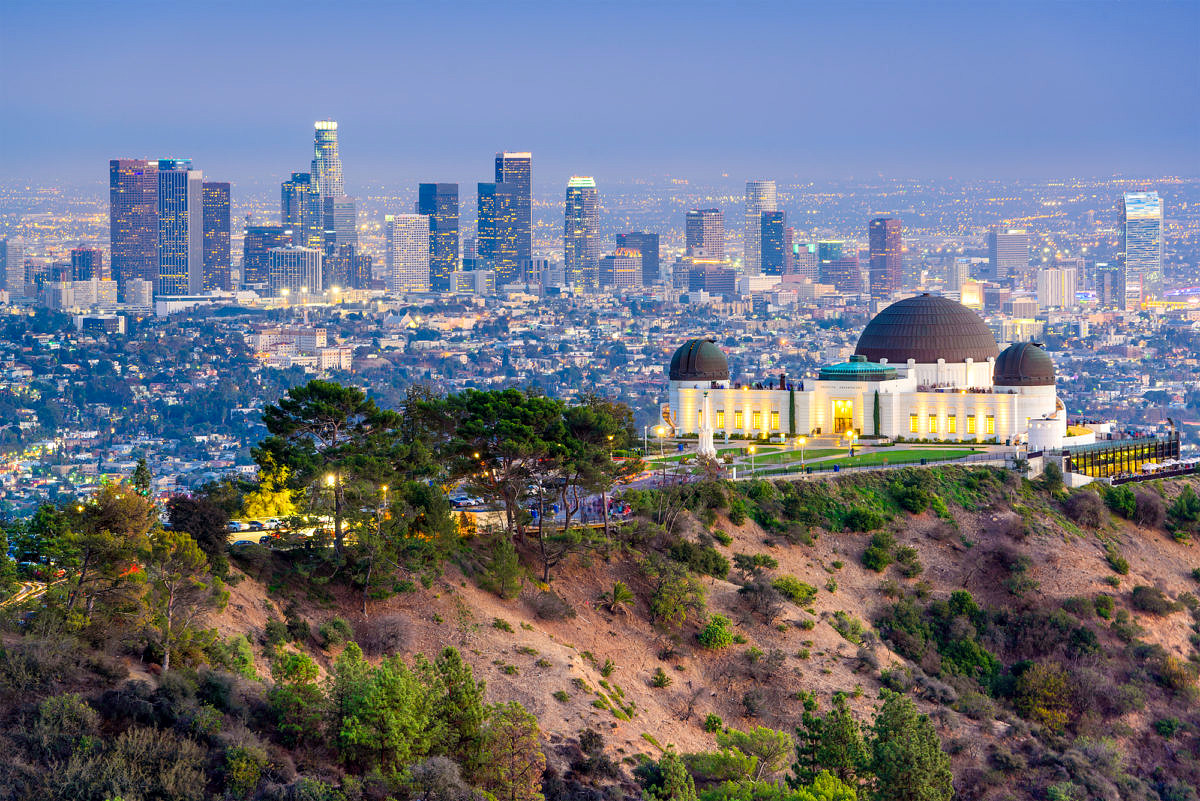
{"points": [[737, 419], [990, 422], [755, 421], [952, 424], [933, 424], [971, 424], [914, 425], [843, 416], [720, 418], [774, 421]]}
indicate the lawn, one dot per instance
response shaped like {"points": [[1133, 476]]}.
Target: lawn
{"points": [[891, 457]]}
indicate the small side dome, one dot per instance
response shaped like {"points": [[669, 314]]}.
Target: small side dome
{"points": [[699, 360], [857, 369], [1024, 364]]}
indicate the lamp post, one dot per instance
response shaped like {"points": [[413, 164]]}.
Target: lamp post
{"points": [[752, 449], [610, 439], [660, 431], [333, 481], [801, 441]]}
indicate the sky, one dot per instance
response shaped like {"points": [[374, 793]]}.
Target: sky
{"points": [[619, 90]]}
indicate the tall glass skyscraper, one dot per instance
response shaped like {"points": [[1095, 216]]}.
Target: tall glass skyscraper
{"points": [[887, 257], [407, 252], [497, 241], [581, 234], [515, 169], [772, 243], [12, 267], [1008, 255], [327, 162], [337, 210], [133, 220], [257, 245], [300, 209], [646, 244], [760, 197], [88, 264], [439, 202], [217, 265], [1140, 251], [180, 227]]}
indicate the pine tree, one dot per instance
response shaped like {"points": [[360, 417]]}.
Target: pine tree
{"points": [[142, 478], [512, 757], [841, 750], [906, 755], [676, 784]]}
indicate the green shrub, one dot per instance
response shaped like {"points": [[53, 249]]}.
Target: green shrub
{"points": [[660, 679], [848, 626], [502, 625], [334, 632], [713, 723], [737, 511], [1167, 727], [276, 633], [909, 561], [862, 519], [878, 554], [244, 767], [1121, 500], [561, 696], [723, 538], [1104, 606], [795, 590], [716, 633], [1118, 563], [1151, 600], [704, 559]]}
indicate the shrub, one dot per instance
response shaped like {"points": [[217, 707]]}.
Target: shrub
{"points": [[723, 538], [335, 632], [1173, 673], [1149, 511], [244, 767], [1167, 727], [909, 561], [737, 511], [862, 519], [382, 635], [750, 565], [762, 598], [912, 499], [503, 574], [65, 723], [713, 723], [848, 626], [500, 624], [1043, 695], [549, 605], [878, 554], [716, 633], [1085, 508], [1118, 563], [561, 696], [660, 679], [795, 590], [1120, 500], [275, 633], [703, 559], [1152, 601]]}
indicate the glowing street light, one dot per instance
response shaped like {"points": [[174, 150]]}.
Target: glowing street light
{"points": [[660, 431], [801, 441], [752, 449]]}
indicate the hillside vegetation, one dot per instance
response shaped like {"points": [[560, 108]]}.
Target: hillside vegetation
{"points": [[906, 634]]}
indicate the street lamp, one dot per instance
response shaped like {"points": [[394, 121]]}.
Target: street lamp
{"points": [[645, 440], [752, 449], [660, 430], [801, 441], [610, 439]]}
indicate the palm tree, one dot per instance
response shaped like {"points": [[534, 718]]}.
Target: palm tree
{"points": [[620, 597]]}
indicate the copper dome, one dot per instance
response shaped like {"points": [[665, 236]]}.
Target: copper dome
{"points": [[699, 360], [926, 328], [1024, 364]]}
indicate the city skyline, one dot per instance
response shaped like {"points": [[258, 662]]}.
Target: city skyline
{"points": [[1049, 66]]}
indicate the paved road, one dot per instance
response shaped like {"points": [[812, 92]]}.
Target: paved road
{"points": [[28, 591]]}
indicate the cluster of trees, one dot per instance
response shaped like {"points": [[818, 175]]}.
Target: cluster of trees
{"points": [[898, 758]]}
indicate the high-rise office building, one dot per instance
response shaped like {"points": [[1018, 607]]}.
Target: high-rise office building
{"points": [[257, 245], [407, 246], [887, 258], [301, 210], [804, 260], [581, 235], [1056, 287], [496, 243], [646, 244], [133, 220], [760, 197], [439, 202], [327, 161], [516, 170], [12, 267], [1109, 282], [347, 267], [180, 227], [87, 264], [838, 268], [1008, 255], [341, 221], [704, 233], [295, 272], [620, 270], [1140, 249], [217, 264], [772, 241]]}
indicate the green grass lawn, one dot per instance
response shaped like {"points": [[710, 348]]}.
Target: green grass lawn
{"points": [[787, 457], [691, 451], [891, 456]]}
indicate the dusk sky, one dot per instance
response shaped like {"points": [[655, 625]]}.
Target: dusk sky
{"points": [[619, 90]]}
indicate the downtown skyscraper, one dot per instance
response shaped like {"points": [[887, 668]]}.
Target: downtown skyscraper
{"points": [[407, 243], [760, 197], [337, 209], [773, 248], [581, 234], [133, 220], [516, 170], [439, 202], [704, 233], [1140, 250], [180, 228], [301, 210], [1008, 255], [646, 244], [885, 239], [217, 262], [497, 235]]}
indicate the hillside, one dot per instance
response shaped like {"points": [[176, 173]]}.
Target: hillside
{"points": [[1111, 714]]}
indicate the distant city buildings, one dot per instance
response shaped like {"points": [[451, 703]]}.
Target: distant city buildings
{"points": [[12, 267], [1056, 287], [886, 245], [87, 263], [498, 218], [295, 272], [257, 245], [439, 202], [773, 246], [302, 211], [581, 235], [1108, 279], [133, 220], [1140, 249], [407, 237], [760, 198], [704, 233], [516, 170]]}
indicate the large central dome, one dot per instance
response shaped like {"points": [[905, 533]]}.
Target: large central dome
{"points": [[926, 328]]}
